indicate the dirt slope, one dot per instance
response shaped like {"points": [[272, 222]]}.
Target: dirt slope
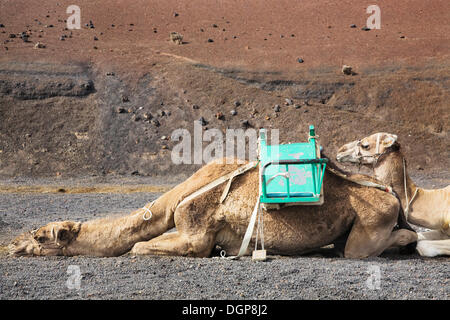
{"points": [[81, 107]]}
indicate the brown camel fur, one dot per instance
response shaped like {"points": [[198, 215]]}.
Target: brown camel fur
{"points": [[425, 208], [367, 215]]}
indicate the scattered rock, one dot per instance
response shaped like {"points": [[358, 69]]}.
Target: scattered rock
{"points": [[300, 60], [124, 98], [195, 107], [276, 108], [2, 25], [148, 116], [402, 37], [163, 138], [347, 70], [110, 74], [288, 102], [365, 28], [155, 122], [161, 113], [210, 40], [202, 121], [233, 112], [95, 38], [122, 110], [220, 116], [297, 106], [176, 37], [39, 45], [175, 14], [214, 25], [237, 103], [245, 124], [353, 26], [12, 35], [24, 36], [91, 25]]}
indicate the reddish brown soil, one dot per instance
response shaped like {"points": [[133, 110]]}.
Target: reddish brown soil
{"points": [[321, 32], [402, 83]]}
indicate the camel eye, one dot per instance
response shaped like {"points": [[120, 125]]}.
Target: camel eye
{"points": [[41, 239], [365, 146]]}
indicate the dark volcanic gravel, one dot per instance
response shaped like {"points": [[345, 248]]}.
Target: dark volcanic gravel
{"points": [[317, 276]]}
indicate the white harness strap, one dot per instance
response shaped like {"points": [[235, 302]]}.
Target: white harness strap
{"points": [[378, 144], [364, 182], [219, 181]]}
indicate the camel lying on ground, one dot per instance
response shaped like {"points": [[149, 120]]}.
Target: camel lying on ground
{"points": [[422, 207], [365, 217]]}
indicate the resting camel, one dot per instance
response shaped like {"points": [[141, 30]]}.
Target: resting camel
{"points": [[365, 217], [422, 207]]}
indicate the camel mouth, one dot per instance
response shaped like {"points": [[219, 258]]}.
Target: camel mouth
{"points": [[24, 245], [345, 158]]}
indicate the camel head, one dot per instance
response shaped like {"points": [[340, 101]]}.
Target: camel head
{"points": [[367, 150], [49, 240]]}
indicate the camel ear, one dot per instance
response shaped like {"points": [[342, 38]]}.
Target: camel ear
{"points": [[389, 140], [64, 232]]}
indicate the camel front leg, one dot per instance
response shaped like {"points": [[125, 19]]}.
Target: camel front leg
{"points": [[432, 235], [366, 245], [176, 244]]}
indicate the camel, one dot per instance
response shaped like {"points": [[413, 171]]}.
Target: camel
{"points": [[364, 217], [422, 207]]}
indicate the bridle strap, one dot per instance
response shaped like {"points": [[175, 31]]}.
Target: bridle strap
{"points": [[378, 144]]}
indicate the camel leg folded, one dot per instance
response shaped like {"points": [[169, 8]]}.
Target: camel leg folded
{"points": [[176, 244], [374, 246], [432, 248], [371, 236], [432, 235]]}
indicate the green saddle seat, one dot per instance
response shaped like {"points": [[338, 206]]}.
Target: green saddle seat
{"points": [[291, 174]]}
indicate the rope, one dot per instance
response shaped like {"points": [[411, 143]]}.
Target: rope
{"points": [[147, 210], [408, 203]]}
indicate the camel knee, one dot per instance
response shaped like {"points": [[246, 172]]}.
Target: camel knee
{"points": [[404, 237]]}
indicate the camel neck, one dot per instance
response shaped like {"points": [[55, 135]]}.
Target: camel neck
{"points": [[115, 236], [390, 171]]}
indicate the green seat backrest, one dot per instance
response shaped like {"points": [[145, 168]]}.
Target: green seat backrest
{"points": [[304, 180]]}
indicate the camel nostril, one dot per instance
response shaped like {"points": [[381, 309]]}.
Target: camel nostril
{"points": [[341, 149]]}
